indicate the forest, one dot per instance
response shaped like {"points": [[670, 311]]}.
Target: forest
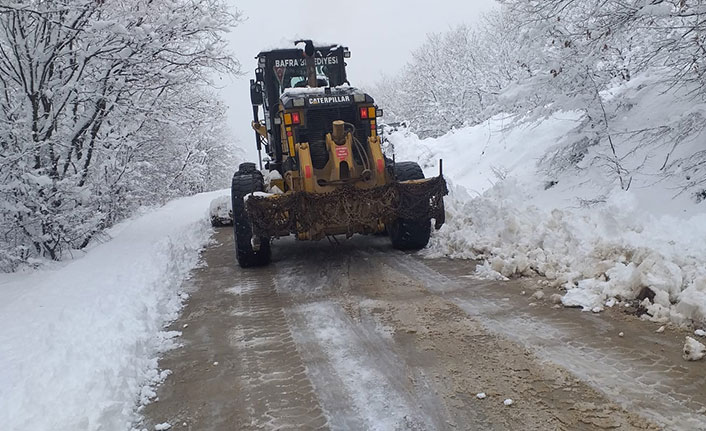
{"points": [[532, 59], [105, 107]]}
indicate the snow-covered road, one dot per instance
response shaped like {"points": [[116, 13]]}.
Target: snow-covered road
{"points": [[359, 336], [352, 336]]}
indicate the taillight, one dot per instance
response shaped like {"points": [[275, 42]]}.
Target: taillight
{"points": [[364, 113], [292, 118]]}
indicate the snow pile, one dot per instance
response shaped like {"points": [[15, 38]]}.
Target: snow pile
{"points": [[693, 350], [575, 226], [609, 251], [257, 195], [221, 211], [79, 344]]}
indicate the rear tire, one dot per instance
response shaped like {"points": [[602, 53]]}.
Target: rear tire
{"points": [[409, 234], [246, 181]]}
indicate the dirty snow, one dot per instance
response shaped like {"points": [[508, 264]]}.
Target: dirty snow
{"points": [[221, 210], [375, 391], [79, 343], [596, 243], [693, 350], [539, 295], [257, 195]]}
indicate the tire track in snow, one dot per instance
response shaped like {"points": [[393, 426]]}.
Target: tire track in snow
{"points": [[636, 377], [279, 394], [239, 367], [360, 379]]}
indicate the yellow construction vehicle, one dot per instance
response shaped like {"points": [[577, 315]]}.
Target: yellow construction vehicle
{"points": [[325, 171]]}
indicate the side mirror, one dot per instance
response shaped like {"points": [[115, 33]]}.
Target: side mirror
{"points": [[259, 75], [255, 93]]}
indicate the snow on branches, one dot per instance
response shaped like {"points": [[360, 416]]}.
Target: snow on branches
{"points": [[604, 59], [102, 109]]}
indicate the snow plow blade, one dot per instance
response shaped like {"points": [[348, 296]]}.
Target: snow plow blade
{"points": [[347, 210]]}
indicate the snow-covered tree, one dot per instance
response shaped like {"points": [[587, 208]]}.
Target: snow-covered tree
{"points": [[536, 58], [454, 78], [102, 108], [583, 49]]}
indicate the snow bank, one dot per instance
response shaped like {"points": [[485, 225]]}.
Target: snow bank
{"points": [[79, 344], [609, 251], [478, 157], [575, 226]]}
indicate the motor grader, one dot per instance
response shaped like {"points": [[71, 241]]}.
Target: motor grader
{"points": [[325, 171]]}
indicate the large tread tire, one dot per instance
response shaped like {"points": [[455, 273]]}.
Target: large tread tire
{"points": [[409, 234], [246, 181]]}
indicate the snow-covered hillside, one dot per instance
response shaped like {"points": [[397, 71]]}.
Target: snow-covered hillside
{"points": [[79, 343], [543, 198]]}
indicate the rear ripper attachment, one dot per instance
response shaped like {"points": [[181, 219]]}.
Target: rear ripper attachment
{"points": [[325, 173], [348, 210]]}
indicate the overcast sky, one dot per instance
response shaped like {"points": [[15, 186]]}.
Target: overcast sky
{"points": [[380, 34]]}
